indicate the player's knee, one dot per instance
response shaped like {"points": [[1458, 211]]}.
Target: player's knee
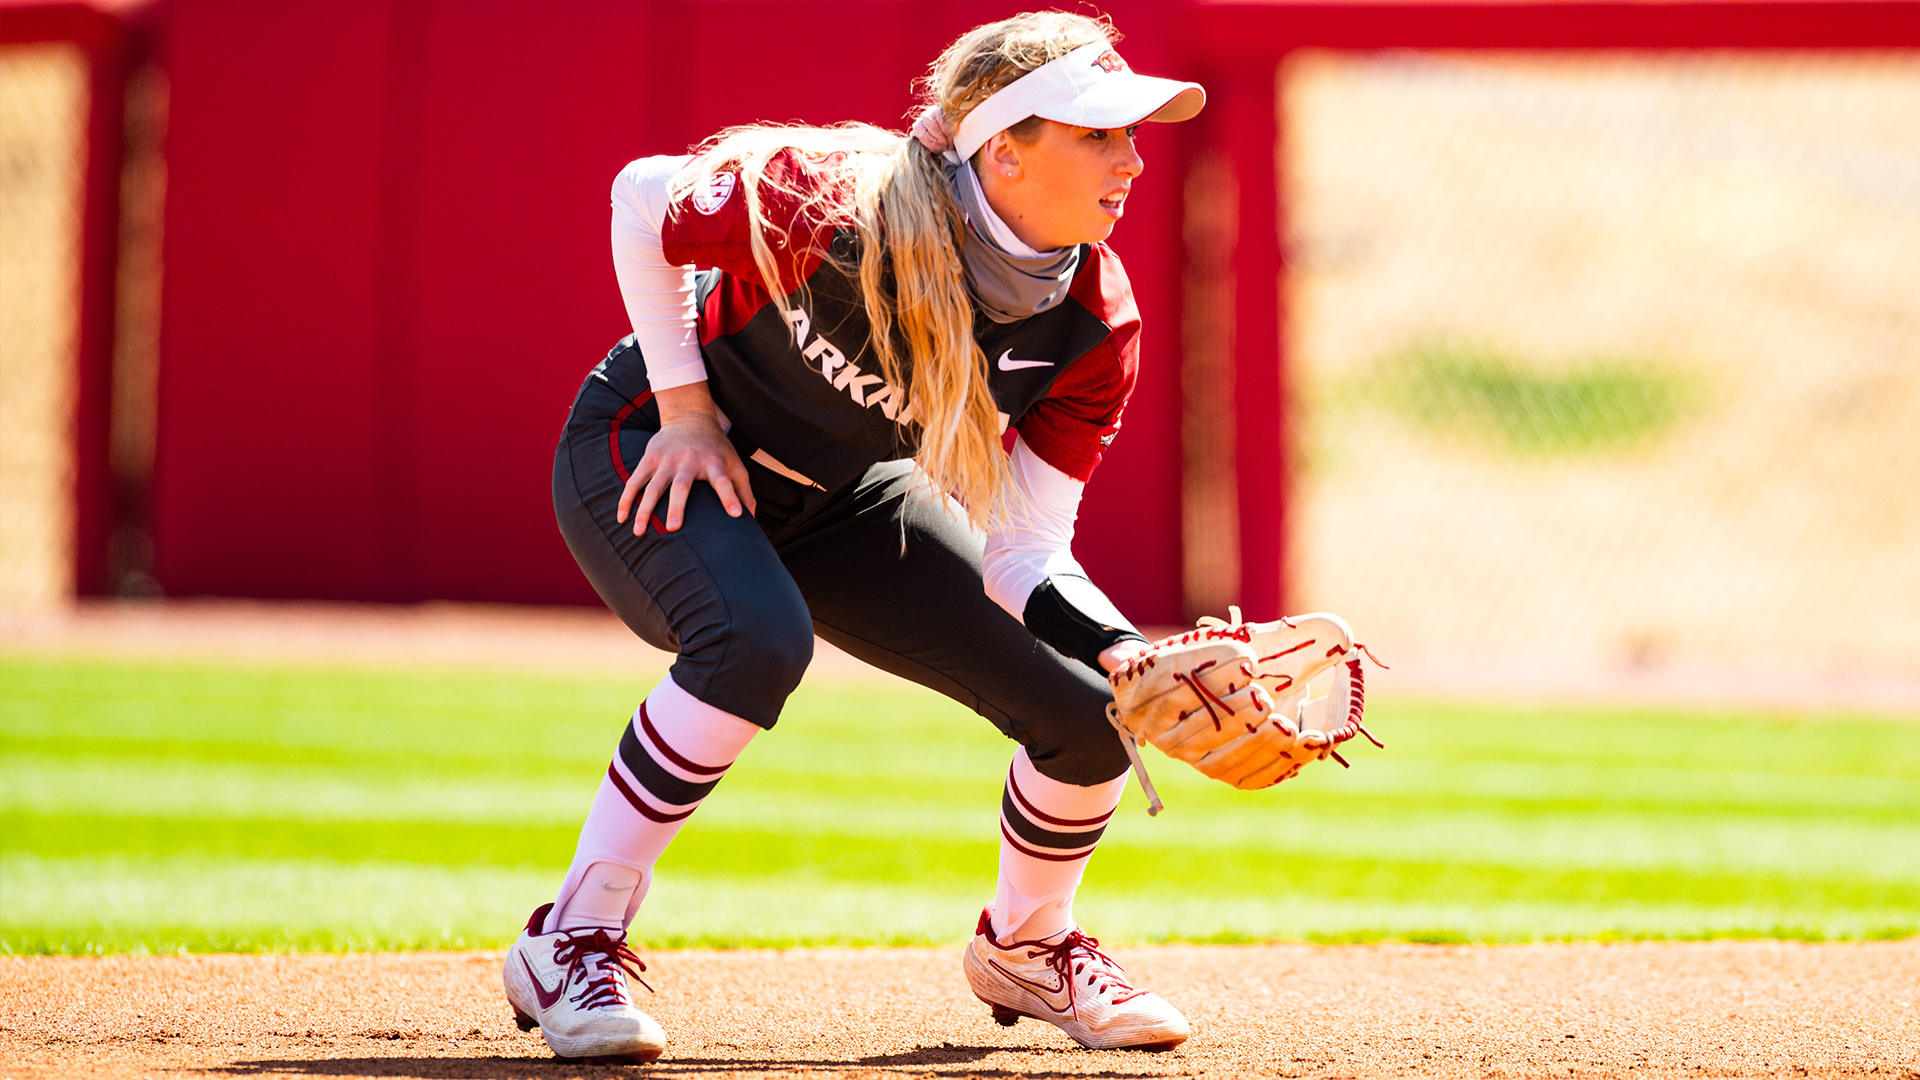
{"points": [[1084, 758], [772, 645], [747, 654]]}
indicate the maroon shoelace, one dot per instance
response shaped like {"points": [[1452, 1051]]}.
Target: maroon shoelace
{"points": [[1070, 958], [609, 956]]}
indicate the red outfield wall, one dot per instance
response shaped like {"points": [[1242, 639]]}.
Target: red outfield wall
{"points": [[387, 269]]}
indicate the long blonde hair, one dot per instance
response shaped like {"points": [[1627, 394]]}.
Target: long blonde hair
{"points": [[910, 272]]}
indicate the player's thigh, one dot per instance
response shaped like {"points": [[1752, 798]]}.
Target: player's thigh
{"points": [[714, 591], [894, 579]]}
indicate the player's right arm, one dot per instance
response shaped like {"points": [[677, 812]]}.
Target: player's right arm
{"points": [[659, 296], [657, 239]]}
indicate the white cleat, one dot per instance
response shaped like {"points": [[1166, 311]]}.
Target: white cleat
{"points": [[573, 987], [1073, 986]]}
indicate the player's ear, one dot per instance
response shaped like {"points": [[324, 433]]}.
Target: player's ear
{"points": [[1001, 155]]}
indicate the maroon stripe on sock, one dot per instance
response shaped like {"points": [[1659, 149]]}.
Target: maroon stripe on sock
{"points": [[1039, 835], [646, 811], [1049, 856], [685, 763], [1069, 823]]}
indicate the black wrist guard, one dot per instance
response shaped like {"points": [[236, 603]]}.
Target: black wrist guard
{"points": [[1071, 614]]}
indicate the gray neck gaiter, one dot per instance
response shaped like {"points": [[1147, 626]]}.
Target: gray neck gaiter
{"points": [[1008, 287]]}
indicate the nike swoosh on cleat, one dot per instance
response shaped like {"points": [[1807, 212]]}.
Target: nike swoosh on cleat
{"points": [[1040, 990], [1008, 363], [547, 997]]}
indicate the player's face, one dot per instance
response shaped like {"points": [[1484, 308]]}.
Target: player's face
{"points": [[1064, 186]]}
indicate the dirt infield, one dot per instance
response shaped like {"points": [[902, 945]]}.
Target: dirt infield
{"points": [[1631, 1010]]}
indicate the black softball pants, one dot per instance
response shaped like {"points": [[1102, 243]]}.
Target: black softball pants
{"points": [[879, 568]]}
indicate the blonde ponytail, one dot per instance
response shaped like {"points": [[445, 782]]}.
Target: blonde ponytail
{"points": [[912, 281]]}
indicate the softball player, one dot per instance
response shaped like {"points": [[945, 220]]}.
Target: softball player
{"points": [[808, 438]]}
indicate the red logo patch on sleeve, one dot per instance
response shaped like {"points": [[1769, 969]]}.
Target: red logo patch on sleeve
{"points": [[710, 199]]}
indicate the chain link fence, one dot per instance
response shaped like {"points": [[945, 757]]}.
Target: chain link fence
{"points": [[43, 147], [1609, 362]]}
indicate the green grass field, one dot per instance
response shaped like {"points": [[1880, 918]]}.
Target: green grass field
{"points": [[162, 807]]}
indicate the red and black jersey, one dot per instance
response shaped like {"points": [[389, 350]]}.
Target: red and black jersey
{"points": [[805, 386]]}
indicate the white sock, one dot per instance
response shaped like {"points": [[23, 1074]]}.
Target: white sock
{"points": [[674, 751], [602, 896], [1048, 830]]}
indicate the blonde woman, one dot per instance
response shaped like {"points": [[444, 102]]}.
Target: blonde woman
{"points": [[807, 437]]}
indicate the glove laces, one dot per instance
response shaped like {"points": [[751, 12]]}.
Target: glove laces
{"points": [[598, 959]]}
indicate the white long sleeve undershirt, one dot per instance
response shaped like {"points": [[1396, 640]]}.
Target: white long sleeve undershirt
{"points": [[658, 294], [1036, 538]]}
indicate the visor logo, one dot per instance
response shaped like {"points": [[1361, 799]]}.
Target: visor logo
{"points": [[710, 199], [1110, 62]]}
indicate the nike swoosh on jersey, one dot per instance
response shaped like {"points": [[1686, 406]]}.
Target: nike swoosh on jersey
{"points": [[1008, 363], [547, 997]]}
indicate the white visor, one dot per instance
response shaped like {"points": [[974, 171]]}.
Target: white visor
{"points": [[1089, 87]]}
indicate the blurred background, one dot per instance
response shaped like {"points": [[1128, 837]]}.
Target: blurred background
{"points": [[1572, 351], [1610, 360], [1595, 360]]}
